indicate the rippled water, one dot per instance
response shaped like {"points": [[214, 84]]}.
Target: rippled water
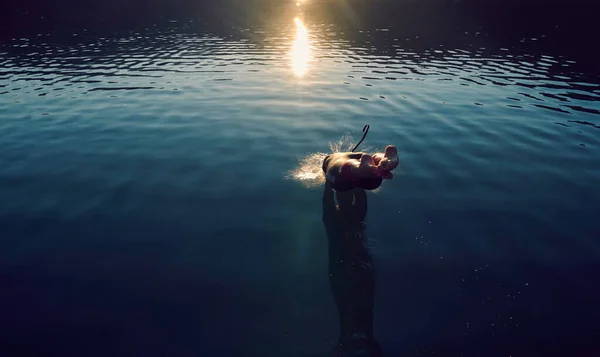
{"points": [[146, 208]]}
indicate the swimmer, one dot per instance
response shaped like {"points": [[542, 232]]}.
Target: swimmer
{"points": [[349, 170]]}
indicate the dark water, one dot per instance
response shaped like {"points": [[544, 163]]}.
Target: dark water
{"points": [[146, 208]]}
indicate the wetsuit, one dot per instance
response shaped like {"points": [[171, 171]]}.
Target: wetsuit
{"points": [[338, 173]]}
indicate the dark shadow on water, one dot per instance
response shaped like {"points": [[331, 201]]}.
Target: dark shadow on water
{"points": [[88, 299], [67, 290]]}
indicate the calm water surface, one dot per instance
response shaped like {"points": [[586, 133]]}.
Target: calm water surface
{"points": [[146, 207]]}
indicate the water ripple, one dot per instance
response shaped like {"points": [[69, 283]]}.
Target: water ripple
{"points": [[142, 122]]}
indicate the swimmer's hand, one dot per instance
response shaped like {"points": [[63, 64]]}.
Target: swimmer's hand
{"points": [[386, 162]]}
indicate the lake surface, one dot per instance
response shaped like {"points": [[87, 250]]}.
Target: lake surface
{"points": [[147, 206]]}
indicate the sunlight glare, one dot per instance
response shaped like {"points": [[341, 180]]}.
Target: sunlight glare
{"points": [[300, 49]]}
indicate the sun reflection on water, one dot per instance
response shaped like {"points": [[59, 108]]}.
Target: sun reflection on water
{"points": [[300, 49]]}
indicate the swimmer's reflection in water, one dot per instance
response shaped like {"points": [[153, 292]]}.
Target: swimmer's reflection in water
{"points": [[350, 264], [350, 271]]}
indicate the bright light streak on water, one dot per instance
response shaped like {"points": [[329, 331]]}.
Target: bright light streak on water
{"points": [[300, 49]]}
